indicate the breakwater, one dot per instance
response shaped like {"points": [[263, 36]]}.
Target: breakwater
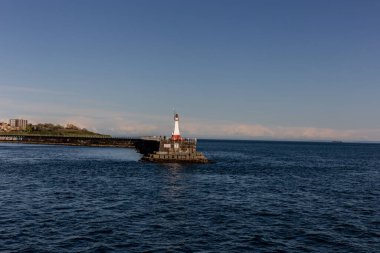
{"points": [[171, 151], [144, 146], [70, 140], [152, 149]]}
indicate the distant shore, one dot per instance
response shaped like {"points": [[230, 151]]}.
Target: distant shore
{"points": [[48, 129]]}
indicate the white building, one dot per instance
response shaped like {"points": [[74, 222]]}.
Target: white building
{"points": [[19, 124]]}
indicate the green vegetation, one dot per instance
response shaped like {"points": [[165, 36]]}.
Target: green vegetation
{"points": [[48, 129]]}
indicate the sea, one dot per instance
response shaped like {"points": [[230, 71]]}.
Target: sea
{"points": [[256, 196]]}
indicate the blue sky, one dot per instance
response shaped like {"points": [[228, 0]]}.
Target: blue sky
{"points": [[267, 69]]}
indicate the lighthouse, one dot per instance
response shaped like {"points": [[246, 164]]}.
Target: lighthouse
{"points": [[175, 149], [176, 136]]}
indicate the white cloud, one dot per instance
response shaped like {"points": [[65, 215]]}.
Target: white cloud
{"points": [[230, 130], [108, 121]]}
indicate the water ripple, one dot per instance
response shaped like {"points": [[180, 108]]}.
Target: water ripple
{"points": [[257, 197]]}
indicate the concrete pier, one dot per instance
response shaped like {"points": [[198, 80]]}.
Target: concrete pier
{"points": [[176, 151], [91, 141], [153, 149]]}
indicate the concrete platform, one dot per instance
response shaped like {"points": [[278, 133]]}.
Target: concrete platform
{"points": [[173, 151]]}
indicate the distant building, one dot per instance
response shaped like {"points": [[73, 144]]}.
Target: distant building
{"points": [[12, 122], [19, 124]]}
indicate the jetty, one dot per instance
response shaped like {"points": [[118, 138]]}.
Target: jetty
{"points": [[176, 149], [154, 149], [171, 151]]}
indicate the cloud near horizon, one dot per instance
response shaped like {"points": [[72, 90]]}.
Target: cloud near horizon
{"points": [[121, 123], [135, 126], [258, 131]]}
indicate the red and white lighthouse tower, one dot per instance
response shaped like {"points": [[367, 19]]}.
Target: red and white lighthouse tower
{"points": [[176, 136]]}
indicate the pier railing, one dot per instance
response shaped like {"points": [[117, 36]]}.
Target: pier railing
{"points": [[54, 135]]}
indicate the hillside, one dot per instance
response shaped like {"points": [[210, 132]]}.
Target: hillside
{"points": [[51, 129]]}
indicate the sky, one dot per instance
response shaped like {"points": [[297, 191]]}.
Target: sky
{"points": [[269, 69]]}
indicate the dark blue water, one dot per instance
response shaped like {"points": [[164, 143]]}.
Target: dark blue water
{"points": [[257, 197]]}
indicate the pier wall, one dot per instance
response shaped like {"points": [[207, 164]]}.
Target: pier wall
{"points": [[182, 151], [154, 150], [71, 141]]}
